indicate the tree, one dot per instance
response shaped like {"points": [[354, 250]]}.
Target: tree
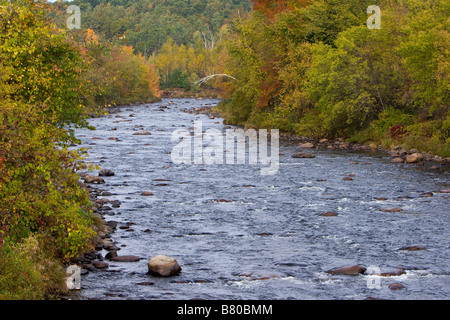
{"points": [[40, 89]]}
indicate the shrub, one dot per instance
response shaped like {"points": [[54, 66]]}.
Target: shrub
{"points": [[29, 273]]}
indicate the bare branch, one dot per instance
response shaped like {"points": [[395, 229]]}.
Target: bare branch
{"points": [[201, 81]]}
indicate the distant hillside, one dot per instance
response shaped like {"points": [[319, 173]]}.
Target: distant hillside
{"points": [[147, 24]]}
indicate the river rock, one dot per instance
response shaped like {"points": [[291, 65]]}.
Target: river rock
{"points": [[394, 154], [396, 286], [115, 203], [328, 214], [145, 283], [414, 158], [146, 194], [163, 266], [392, 210], [100, 264], [307, 145], [109, 245], [426, 194], [221, 201], [111, 254], [413, 248], [350, 271], [107, 229], [303, 155], [129, 258], [84, 272], [91, 179], [397, 160], [105, 173], [89, 267], [142, 133], [397, 272], [102, 200]]}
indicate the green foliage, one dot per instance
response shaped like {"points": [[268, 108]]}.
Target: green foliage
{"points": [[352, 83], [39, 192], [40, 92], [427, 55], [179, 79], [40, 64], [132, 78], [147, 24], [323, 20], [391, 117]]}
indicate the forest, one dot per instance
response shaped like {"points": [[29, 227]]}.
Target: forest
{"points": [[307, 67], [183, 38], [312, 68]]}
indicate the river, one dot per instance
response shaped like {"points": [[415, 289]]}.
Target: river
{"points": [[240, 235]]}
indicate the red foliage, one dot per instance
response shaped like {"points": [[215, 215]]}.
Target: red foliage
{"points": [[397, 131]]}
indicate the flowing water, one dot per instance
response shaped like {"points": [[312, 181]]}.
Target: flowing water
{"points": [[267, 240]]}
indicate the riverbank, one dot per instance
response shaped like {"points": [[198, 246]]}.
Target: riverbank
{"points": [[397, 149], [398, 153]]}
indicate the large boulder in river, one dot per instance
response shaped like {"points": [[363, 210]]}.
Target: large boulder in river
{"points": [[349, 271], [163, 266]]}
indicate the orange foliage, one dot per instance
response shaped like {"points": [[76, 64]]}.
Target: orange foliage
{"points": [[91, 37]]}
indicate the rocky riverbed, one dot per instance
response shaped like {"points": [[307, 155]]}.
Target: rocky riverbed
{"points": [[333, 212]]}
